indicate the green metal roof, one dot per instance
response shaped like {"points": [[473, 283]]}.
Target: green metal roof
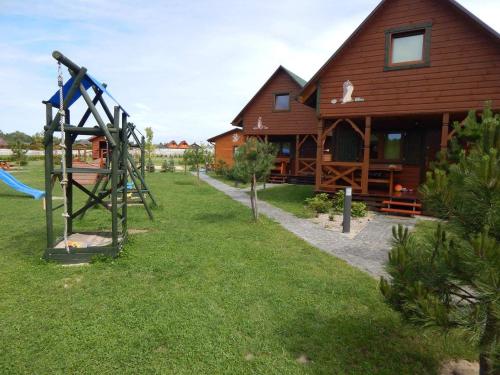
{"points": [[302, 82]]}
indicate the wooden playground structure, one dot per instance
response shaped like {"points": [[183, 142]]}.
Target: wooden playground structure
{"points": [[112, 175]]}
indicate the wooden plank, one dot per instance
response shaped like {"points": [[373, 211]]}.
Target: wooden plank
{"points": [[366, 155], [319, 154], [49, 165]]}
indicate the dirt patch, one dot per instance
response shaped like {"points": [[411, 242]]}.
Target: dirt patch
{"points": [[460, 367], [303, 359], [335, 225], [137, 231]]}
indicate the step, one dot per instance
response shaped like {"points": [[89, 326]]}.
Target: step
{"points": [[401, 211], [406, 204]]}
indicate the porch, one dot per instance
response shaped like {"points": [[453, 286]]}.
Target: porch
{"points": [[296, 158], [383, 159]]}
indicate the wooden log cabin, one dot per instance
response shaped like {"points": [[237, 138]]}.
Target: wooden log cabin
{"points": [[225, 145], [387, 98], [274, 115]]}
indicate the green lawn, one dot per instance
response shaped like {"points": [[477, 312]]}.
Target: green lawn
{"points": [[227, 181], [290, 198], [205, 291]]}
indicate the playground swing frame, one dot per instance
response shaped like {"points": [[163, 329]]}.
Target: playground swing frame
{"points": [[119, 167]]}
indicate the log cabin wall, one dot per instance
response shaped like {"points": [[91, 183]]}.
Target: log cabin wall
{"points": [[225, 145], [300, 119], [464, 68]]}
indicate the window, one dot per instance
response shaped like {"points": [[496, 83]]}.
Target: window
{"points": [[385, 146], [407, 47], [285, 149], [282, 102], [392, 146]]}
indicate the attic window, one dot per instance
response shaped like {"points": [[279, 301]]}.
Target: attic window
{"points": [[282, 102], [407, 47]]}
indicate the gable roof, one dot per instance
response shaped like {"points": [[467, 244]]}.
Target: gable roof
{"points": [[214, 138], [295, 78], [356, 32]]}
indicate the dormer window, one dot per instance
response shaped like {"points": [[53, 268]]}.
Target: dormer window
{"points": [[282, 102], [407, 47]]}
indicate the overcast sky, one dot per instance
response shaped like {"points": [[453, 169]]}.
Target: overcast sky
{"points": [[185, 68]]}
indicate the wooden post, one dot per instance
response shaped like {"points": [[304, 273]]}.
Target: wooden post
{"points": [[319, 154], [297, 154], [143, 160], [69, 164], [114, 179], [49, 165], [123, 167], [444, 131], [366, 155]]}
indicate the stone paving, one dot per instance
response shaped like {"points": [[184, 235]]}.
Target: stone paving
{"points": [[366, 251]]}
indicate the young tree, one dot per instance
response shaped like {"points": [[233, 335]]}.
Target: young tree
{"points": [[253, 162], [195, 157], [20, 150], [150, 148], [451, 278]]}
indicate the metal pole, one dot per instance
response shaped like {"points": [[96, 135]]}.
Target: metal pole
{"points": [[346, 223]]}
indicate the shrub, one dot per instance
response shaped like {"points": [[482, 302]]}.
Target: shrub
{"points": [[320, 203], [150, 166], [358, 209], [221, 168], [164, 166]]}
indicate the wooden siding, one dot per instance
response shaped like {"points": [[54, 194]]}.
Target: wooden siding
{"points": [[224, 147], [464, 71], [300, 119]]}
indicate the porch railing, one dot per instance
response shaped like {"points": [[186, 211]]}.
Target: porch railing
{"points": [[306, 167], [338, 174]]}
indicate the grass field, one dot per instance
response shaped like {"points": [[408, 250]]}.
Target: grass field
{"points": [[204, 291], [290, 198]]}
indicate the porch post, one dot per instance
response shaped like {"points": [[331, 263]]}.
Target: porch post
{"points": [[297, 151], [319, 154], [366, 155], [444, 131]]}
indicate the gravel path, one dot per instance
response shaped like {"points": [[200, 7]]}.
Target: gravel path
{"points": [[366, 251]]}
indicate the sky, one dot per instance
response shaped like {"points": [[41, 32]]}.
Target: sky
{"points": [[185, 68]]}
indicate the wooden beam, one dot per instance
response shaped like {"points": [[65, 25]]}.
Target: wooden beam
{"points": [[115, 159], [319, 154], [50, 128], [366, 155], [49, 165], [297, 153], [444, 131], [97, 116]]}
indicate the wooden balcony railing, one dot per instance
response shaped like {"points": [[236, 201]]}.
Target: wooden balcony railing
{"points": [[337, 174], [306, 167]]}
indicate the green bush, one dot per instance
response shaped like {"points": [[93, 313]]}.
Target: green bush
{"points": [[221, 168], [164, 166], [358, 209], [320, 203], [150, 166]]}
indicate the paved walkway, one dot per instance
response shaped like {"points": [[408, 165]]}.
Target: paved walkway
{"points": [[366, 251]]}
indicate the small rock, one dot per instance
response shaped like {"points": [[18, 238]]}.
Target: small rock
{"points": [[460, 367], [249, 356], [303, 359]]}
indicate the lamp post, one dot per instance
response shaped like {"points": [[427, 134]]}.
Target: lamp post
{"points": [[346, 223]]}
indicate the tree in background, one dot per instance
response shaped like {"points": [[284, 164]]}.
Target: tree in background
{"points": [[253, 162], [19, 150], [451, 278], [150, 148], [197, 156]]}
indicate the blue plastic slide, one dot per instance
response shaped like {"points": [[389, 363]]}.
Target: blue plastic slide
{"points": [[15, 184]]}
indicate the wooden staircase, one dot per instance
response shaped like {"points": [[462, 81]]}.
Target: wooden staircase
{"points": [[403, 207]]}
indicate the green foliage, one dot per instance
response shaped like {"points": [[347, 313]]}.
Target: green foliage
{"points": [[359, 209], [221, 168], [149, 146], [253, 162], [320, 203], [19, 151], [197, 156], [450, 278], [150, 166]]}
